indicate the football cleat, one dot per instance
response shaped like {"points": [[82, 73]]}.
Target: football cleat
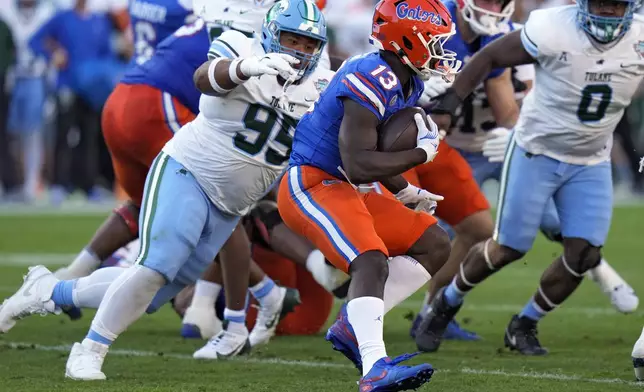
{"points": [[621, 294], [200, 323], [638, 358], [434, 324], [454, 331], [343, 339], [226, 344], [86, 360], [33, 297], [269, 317], [521, 335], [387, 375]]}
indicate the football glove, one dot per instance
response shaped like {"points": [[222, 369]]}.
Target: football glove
{"points": [[494, 147], [269, 64], [427, 138]]}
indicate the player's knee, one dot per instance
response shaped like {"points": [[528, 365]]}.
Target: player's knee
{"points": [[498, 255], [372, 265], [432, 249], [580, 255], [129, 213]]}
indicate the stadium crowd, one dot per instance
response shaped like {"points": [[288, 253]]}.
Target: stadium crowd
{"points": [[60, 59]]}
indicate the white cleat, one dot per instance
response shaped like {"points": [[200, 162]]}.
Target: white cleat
{"points": [[200, 323], [225, 344], [638, 357], [33, 297], [621, 294], [86, 360], [269, 317]]}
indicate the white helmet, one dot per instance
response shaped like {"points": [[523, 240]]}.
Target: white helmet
{"points": [[486, 22]]}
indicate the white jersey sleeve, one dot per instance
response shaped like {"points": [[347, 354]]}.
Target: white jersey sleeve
{"points": [[239, 145], [231, 44], [581, 88]]}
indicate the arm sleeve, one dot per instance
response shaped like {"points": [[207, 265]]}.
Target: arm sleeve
{"points": [[367, 90]]}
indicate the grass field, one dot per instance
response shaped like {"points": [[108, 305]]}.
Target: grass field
{"points": [[590, 343]]}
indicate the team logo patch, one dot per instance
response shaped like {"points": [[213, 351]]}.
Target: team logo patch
{"points": [[321, 84], [639, 49], [404, 12], [393, 101]]}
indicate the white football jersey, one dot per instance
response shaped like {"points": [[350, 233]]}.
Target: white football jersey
{"points": [[581, 87], [242, 15], [239, 144]]}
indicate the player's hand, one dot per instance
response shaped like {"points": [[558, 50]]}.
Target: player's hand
{"points": [[434, 86], [420, 199], [494, 147], [269, 64], [428, 137]]}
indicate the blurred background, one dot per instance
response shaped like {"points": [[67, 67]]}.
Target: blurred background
{"points": [[54, 80]]}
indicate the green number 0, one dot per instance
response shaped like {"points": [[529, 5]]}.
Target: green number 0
{"points": [[264, 128], [588, 95]]}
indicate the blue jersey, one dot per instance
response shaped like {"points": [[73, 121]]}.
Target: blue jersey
{"points": [[365, 79], [173, 64], [152, 21]]}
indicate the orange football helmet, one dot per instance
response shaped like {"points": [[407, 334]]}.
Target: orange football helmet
{"points": [[415, 30]]}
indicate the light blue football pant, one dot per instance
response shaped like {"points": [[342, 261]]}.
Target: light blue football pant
{"points": [[181, 231], [582, 196]]}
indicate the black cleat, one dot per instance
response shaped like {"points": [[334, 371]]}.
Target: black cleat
{"points": [[73, 312], [431, 329], [521, 335]]}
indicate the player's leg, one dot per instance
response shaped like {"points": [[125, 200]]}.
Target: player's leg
{"points": [[267, 228], [173, 221], [621, 294], [465, 208], [199, 319], [332, 214], [584, 204], [519, 212]]}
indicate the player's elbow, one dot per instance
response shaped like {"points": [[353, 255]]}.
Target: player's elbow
{"points": [[201, 80]]}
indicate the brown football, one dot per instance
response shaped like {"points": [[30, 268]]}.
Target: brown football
{"points": [[399, 132]]}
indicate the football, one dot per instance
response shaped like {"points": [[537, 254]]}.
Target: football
{"points": [[399, 132]]}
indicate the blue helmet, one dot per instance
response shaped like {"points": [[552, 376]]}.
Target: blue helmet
{"points": [[300, 17], [606, 28]]}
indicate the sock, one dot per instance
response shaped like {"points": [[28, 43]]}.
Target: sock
{"points": [[366, 316], [84, 264], [266, 292], [90, 290], [532, 311], [406, 276], [424, 308], [453, 296], [33, 155], [236, 321], [205, 294], [63, 293], [125, 301]]}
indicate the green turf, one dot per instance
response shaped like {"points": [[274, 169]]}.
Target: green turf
{"points": [[590, 344]]}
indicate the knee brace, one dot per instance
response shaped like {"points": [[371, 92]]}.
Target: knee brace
{"points": [[131, 219]]}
